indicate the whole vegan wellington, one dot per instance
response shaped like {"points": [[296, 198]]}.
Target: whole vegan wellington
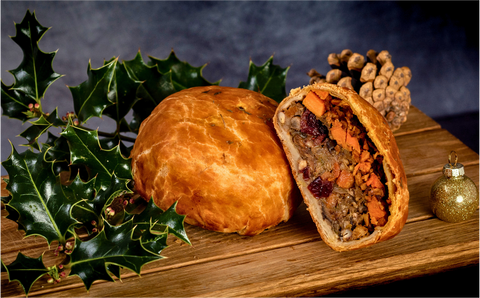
{"points": [[346, 163], [215, 151]]}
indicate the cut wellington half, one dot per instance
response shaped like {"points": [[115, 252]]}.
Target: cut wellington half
{"points": [[346, 163]]}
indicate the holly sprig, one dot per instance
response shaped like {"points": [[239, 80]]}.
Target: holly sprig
{"points": [[76, 189]]}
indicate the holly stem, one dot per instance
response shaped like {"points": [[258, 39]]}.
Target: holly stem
{"points": [[124, 138]]}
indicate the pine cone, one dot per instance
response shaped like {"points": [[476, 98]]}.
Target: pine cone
{"points": [[374, 78]]}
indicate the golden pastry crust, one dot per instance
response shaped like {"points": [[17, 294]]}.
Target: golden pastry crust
{"points": [[214, 149], [381, 135]]}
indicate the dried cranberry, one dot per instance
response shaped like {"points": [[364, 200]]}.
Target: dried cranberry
{"points": [[306, 173], [320, 188], [319, 140], [310, 125]]}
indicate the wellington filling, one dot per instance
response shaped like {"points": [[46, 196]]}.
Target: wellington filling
{"points": [[339, 163]]}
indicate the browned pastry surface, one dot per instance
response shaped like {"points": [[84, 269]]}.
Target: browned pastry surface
{"points": [[380, 134], [214, 149]]}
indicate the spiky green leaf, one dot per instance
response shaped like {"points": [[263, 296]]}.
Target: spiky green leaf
{"points": [[112, 142], [37, 196], [25, 270], [153, 241], [113, 245], [91, 97], [114, 269], [154, 88], [124, 95], [58, 149], [4, 267], [34, 74], [85, 149], [156, 216], [15, 103], [104, 197], [183, 75], [81, 192], [58, 152], [160, 78], [39, 127], [268, 79]]}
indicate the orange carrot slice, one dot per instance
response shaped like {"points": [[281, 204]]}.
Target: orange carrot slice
{"points": [[345, 179], [314, 104], [377, 211], [353, 142], [338, 134], [365, 156], [322, 94], [373, 181]]}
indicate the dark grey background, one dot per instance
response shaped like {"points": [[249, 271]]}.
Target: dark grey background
{"points": [[437, 40]]}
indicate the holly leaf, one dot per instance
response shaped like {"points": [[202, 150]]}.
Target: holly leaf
{"points": [[85, 150], [183, 74], [37, 196], [33, 76], [152, 214], [81, 192], [115, 270], [160, 78], [267, 79], [25, 270], [14, 215], [153, 241], [78, 190], [113, 245], [124, 93], [15, 103], [117, 187], [4, 267], [39, 127], [91, 97], [35, 73], [154, 88], [58, 152], [58, 149], [112, 142]]}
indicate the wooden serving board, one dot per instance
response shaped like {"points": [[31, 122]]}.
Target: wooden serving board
{"points": [[291, 259]]}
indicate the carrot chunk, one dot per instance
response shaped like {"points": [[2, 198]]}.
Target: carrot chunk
{"points": [[374, 182], [314, 104], [377, 211], [322, 94], [365, 156], [338, 134], [345, 179], [353, 142]]}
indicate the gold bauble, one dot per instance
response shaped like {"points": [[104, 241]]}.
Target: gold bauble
{"points": [[454, 196]]}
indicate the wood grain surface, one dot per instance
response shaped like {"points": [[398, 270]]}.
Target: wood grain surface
{"points": [[291, 259]]}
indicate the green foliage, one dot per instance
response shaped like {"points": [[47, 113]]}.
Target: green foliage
{"points": [[37, 197], [34, 74], [114, 245], [86, 150], [268, 79], [91, 97], [80, 180], [25, 270]]}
